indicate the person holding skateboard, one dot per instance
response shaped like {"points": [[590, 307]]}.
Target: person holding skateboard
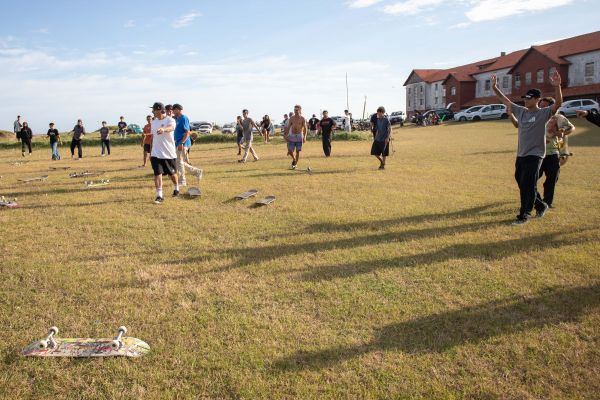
{"points": [[532, 144], [247, 125], [54, 138], [26, 135], [147, 138], [164, 154], [326, 128], [78, 133], [383, 132], [295, 135], [182, 141], [105, 138]]}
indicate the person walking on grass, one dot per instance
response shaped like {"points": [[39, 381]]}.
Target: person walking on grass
{"points": [[531, 144], [247, 125], [239, 130], [78, 133], [284, 124], [347, 124], [266, 127], [295, 135], [54, 138], [105, 138], [17, 125], [383, 134], [164, 154], [26, 135], [326, 128], [147, 139], [122, 127], [182, 141], [313, 125]]}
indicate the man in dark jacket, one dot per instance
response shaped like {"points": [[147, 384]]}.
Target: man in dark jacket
{"points": [[78, 133], [26, 136]]}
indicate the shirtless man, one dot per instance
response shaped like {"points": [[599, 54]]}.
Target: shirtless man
{"points": [[295, 135]]}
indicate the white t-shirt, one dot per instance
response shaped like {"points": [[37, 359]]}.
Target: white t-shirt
{"points": [[163, 145], [347, 121]]}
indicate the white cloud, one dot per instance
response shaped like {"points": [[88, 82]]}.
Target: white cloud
{"points": [[411, 7], [489, 10], [362, 3], [186, 19], [129, 24], [460, 25]]}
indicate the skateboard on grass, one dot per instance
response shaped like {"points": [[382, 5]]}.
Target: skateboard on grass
{"points": [[246, 195], [7, 203], [36, 179], [83, 174], [266, 201], [194, 192], [92, 184], [59, 168], [118, 346]]}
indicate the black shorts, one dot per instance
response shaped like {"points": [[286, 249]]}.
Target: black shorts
{"points": [[380, 148], [162, 166], [147, 148]]}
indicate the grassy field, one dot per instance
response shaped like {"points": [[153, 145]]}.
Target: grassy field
{"points": [[355, 283]]}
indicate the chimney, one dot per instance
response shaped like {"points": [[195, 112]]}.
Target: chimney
{"points": [[502, 54]]}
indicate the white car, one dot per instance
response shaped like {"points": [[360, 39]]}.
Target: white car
{"points": [[466, 115], [228, 129], [339, 122], [493, 111], [205, 128], [569, 108]]}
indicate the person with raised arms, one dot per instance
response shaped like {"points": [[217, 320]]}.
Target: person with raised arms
{"points": [[531, 144], [164, 155]]}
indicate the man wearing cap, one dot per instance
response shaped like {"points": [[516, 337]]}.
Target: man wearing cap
{"points": [[78, 134], [532, 144], [17, 127], [383, 132], [182, 140], [164, 154]]}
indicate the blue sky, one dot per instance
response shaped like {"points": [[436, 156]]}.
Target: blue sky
{"points": [[64, 60]]}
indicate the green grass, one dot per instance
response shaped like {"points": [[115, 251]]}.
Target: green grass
{"points": [[355, 283]]}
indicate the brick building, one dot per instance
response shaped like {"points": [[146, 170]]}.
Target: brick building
{"points": [[577, 59]]}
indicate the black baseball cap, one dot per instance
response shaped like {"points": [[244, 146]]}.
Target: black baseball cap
{"points": [[532, 93], [158, 106], [177, 107]]}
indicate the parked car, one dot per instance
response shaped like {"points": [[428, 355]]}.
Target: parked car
{"points": [[570, 107], [493, 111], [228, 129], [195, 126], [397, 117], [133, 128], [466, 115], [205, 128], [339, 122], [443, 113]]}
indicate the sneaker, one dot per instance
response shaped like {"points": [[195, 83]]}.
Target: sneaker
{"points": [[519, 221], [158, 200], [382, 166], [242, 161], [256, 159], [550, 206], [542, 212], [23, 154], [175, 193], [102, 155]]}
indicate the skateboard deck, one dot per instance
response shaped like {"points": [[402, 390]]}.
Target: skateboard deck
{"points": [[36, 179], [246, 195], [6, 203], [83, 174], [194, 192], [266, 201], [92, 184], [59, 168], [87, 347]]}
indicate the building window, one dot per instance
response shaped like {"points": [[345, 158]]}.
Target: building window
{"points": [[488, 85], [421, 102], [409, 102], [453, 91], [528, 78], [517, 80], [589, 70], [409, 91], [444, 91], [421, 87], [540, 76], [436, 100], [436, 88], [505, 82]]}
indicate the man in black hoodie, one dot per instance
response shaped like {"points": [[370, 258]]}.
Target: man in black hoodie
{"points": [[26, 136]]}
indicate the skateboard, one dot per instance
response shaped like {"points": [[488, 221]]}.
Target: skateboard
{"points": [[92, 184], [4, 202], [246, 195], [266, 201], [83, 174], [118, 346], [194, 192], [36, 179], [59, 168], [18, 163]]}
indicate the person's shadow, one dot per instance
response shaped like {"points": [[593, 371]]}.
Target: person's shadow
{"points": [[440, 332]]}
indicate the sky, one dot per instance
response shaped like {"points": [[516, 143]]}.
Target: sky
{"points": [[63, 60]]}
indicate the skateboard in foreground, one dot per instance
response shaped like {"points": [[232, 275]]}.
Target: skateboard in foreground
{"points": [[7, 203], [118, 346], [83, 174], [92, 184], [36, 179], [246, 195], [266, 201]]}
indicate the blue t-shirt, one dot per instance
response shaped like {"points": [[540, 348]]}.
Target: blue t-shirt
{"points": [[383, 133], [183, 125]]}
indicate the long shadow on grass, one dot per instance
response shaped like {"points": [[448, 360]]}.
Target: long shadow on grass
{"points": [[439, 332], [66, 205], [484, 251]]}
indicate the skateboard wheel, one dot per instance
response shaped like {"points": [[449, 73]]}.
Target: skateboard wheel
{"points": [[115, 344], [122, 328], [53, 330], [42, 344]]}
